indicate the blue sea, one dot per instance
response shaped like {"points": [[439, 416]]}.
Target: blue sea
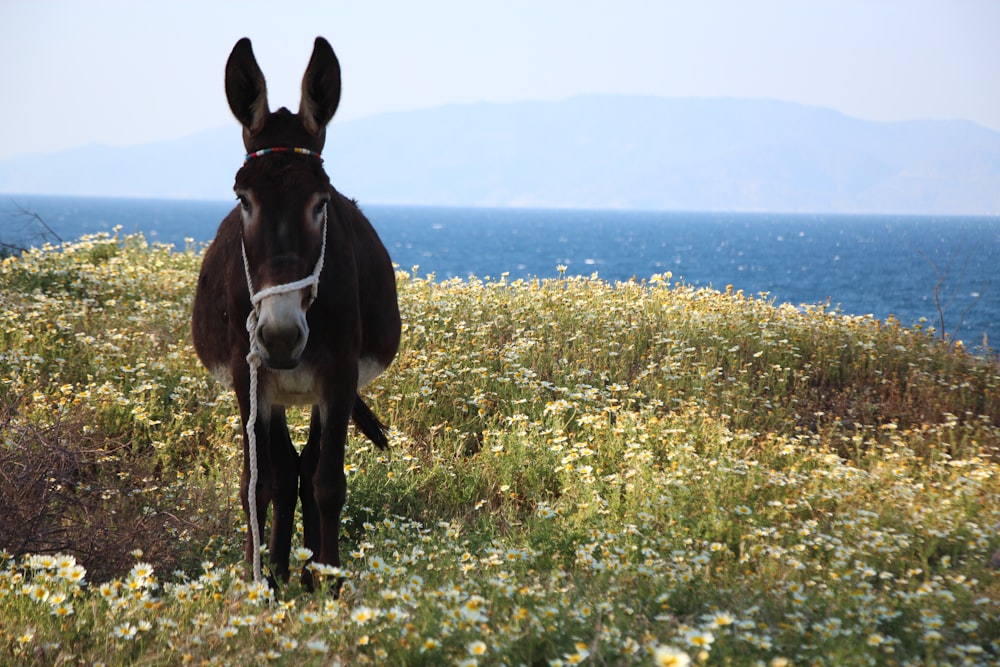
{"points": [[865, 265]]}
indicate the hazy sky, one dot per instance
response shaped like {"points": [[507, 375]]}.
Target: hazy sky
{"points": [[80, 72]]}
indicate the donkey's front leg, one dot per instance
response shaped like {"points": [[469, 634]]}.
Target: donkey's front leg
{"points": [[265, 481], [285, 462], [329, 480], [310, 514]]}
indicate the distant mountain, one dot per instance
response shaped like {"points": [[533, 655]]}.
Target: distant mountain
{"points": [[605, 151]]}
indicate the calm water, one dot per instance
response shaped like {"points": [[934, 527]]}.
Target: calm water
{"points": [[877, 265]]}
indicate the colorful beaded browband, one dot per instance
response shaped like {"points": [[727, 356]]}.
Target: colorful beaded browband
{"points": [[282, 149]]}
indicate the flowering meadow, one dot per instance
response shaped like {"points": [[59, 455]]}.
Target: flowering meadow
{"points": [[580, 473]]}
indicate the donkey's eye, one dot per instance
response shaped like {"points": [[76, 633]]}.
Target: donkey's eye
{"points": [[244, 202], [320, 207]]}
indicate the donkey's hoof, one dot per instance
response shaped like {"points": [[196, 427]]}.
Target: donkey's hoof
{"points": [[309, 580]]}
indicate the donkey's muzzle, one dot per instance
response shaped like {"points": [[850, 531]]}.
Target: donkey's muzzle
{"points": [[282, 330]]}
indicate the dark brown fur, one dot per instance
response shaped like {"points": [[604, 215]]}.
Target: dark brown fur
{"points": [[353, 321]]}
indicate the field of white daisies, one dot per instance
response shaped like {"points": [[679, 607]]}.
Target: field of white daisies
{"points": [[580, 473]]}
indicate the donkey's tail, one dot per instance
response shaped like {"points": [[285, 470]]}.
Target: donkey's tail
{"points": [[369, 424]]}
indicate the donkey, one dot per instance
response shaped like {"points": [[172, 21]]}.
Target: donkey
{"points": [[298, 266]]}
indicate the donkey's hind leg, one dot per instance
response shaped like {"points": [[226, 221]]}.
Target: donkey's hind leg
{"points": [[285, 462]]}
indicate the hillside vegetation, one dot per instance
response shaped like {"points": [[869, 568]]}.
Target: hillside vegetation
{"points": [[580, 472]]}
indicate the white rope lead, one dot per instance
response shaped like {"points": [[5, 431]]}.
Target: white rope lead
{"points": [[253, 360]]}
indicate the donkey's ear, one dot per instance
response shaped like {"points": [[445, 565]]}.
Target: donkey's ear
{"points": [[245, 87], [320, 88]]}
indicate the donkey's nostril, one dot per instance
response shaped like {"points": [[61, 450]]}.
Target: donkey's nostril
{"points": [[280, 336], [281, 346]]}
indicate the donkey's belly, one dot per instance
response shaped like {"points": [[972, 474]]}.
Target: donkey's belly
{"points": [[300, 386], [368, 370], [293, 387]]}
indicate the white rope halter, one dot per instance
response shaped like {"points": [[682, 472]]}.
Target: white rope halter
{"points": [[253, 360]]}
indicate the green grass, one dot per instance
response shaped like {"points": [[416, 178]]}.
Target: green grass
{"points": [[579, 472]]}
